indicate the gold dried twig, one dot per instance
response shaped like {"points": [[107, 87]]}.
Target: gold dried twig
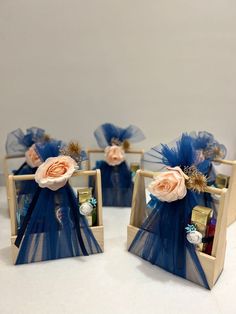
{"points": [[196, 180], [46, 138], [73, 149], [126, 145], [214, 151]]}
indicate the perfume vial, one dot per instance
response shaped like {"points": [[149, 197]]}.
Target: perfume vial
{"points": [[210, 235]]}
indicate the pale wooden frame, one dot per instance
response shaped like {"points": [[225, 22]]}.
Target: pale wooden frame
{"points": [[231, 201], [211, 264], [98, 231], [100, 151], [7, 173]]}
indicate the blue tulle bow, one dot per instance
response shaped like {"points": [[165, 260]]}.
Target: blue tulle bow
{"points": [[48, 149], [17, 142], [107, 132], [44, 150], [206, 143]]}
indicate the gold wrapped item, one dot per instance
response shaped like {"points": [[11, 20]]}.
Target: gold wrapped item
{"points": [[200, 218], [222, 181], [84, 194]]}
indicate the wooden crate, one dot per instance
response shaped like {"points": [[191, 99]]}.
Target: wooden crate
{"points": [[211, 264], [98, 231], [231, 200]]}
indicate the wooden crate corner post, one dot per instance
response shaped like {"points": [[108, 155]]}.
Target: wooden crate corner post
{"points": [[98, 230], [231, 197]]}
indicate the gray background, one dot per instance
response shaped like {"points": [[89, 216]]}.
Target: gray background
{"points": [[166, 66]]}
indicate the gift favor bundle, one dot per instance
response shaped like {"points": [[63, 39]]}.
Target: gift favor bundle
{"points": [[49, 215], [117, 174], [179, 211], [179, 228]]}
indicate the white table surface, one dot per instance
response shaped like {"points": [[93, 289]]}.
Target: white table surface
{"points": [[109, 283]]}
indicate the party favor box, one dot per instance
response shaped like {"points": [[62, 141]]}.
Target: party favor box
{"points": [[203, 263], [118, 163], [48, 224]]}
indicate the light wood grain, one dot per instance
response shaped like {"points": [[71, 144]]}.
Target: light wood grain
{"points": [[98, 185], [12, 204], [6, 174], [231, 198]]}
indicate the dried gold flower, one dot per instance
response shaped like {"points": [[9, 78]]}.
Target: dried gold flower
{"points": [[196, 180], [126, 145], [215, 151], [73, 149], [46, 138]]}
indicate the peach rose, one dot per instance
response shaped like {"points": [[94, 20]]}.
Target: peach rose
{"points": [[169, 186], [55, 172], [114, 155], [32, 158]]}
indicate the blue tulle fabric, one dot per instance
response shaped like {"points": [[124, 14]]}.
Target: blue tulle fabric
{"points": [[207, 146], [205, 142], [117, 185], [54, 228], [26, 189], [161, 239], [44, 150], [204, 148], [105, 133], [17, 142]]}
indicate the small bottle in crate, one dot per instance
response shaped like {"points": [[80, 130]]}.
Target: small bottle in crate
{"points": [[87, 205]]}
